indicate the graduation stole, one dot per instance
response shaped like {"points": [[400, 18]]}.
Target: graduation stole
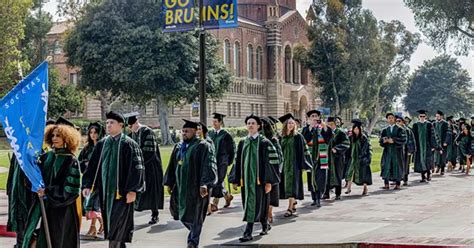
{"points": [[322, 153], [246, 146]]}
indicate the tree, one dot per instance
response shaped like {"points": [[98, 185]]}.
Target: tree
{"points": [[121, 48], [442, 84], [12, 23], [62, 98], [445, 23]]}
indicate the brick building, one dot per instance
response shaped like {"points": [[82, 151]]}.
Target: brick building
{"points": [[260, 53]]}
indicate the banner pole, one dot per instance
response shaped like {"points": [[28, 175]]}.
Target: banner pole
{"points": [[202, 68], [45, 223]]}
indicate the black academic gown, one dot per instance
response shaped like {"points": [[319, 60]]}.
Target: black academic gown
{"points": [[266, 174], [153, 196], [362, 161], [186, 203], [442, 130], [131, 179], [302, 162], [317, 177], [61, 175], [275, 193], [225, 152], [393, 154], [341, 143], [430, 140], [20, 199]]}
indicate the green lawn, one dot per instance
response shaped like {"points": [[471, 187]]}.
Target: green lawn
{"points": [[166, 153]]}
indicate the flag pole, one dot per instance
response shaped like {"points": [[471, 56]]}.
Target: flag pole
{"points": [[45, 222]]}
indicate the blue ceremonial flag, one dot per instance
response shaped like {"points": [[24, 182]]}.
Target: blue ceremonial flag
{"points": [[23, 116]]}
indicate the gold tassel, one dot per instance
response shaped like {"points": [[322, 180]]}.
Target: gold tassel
{"points": [[117, 195], [258, 181], [241, 182]]}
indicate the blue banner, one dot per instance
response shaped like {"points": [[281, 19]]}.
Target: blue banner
{"points": [[23, 116], [181, 15]]}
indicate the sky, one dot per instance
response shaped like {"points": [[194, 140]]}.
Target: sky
{"points": [[386, 10]]}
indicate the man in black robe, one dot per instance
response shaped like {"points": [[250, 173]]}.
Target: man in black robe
{"points": [[393, 140], [116, 168], [254, 171], [190, 174], [153, 196], [338, 144], [408, 149], [425, 140], [224, 147], [317, 136], [441, 128]]}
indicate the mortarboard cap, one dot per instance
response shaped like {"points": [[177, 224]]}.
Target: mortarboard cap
{"points": [[63, 121], [313, 112], [131, 117], [256, 118], [286, 117], [331, 119], [203, 127], [422, 112], [218, 116], [440, 112], [357, 122], [190, 124]]}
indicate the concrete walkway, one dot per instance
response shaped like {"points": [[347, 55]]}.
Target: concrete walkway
{"points": [[438, 213]]}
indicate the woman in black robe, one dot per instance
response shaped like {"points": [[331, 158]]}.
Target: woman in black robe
{"points": [[269, 133], [95, 132], [360, 157], [60, 171], [296, 158]]}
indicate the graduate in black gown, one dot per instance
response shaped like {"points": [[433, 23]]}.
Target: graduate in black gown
{"points": [[409, 148], [317, 136], [338, 145], [116, 169], [225, 152], [60, 170], [254, 171], [464, 141], [268, 131], [392, 140], [92, 211], [153, 196], [425, 145], [190, 174], [359, 159], [442, 130], [296, 159], [452, 149]]}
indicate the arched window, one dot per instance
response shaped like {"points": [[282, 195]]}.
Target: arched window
{"points": [[288, 64], [227, 52], [259, 63], [57, 47], [237, 60], [250, 61]]}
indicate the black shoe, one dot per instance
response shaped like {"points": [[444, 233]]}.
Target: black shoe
{"points": [[314, 203], [325, 197], [318, 203], [246, 238], [429, 179], [442, 173], [338, 197], [154, 220], [423, 181], [405, 183], [265, 230]]}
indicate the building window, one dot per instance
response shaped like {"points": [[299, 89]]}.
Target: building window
{"points": [[229, 113], [294, 71], [288, 64], [259, 63], [214, 106], [73, 78], [251, 108], [261, 109], [227, 52], [250, 61], [57, 47], [234, 109], [239, 109], [237, 59]]}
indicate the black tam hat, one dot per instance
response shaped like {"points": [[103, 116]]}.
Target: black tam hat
{"points": [[357, 122], [440, 112], [218, 116], [462, 119], [256, 118], [397, 117], [422, 112], [115, 116], [286, 117], [450, 118], [190, 124], [62, 121], [313, 112], [203, 127], [50, 122], [331, 119], [389, 114], [131, 117]]}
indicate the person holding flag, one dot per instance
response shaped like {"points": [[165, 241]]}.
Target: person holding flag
{"points": [[60, 168]]}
